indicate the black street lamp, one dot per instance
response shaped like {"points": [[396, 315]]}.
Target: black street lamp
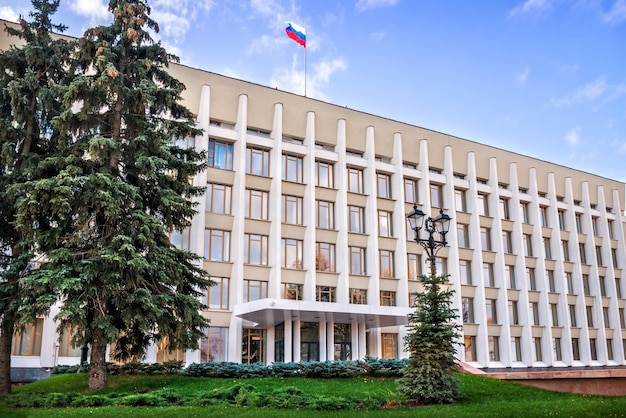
{"points": [[440, 225]]}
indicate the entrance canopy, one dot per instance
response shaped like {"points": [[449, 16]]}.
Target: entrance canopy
{"points": [[270, 312]]}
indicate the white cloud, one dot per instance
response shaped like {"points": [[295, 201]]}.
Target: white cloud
{"points": [[572, 137], [172, 25], [292, 79], [7, 13], [363, 5], [523, 76], [378, 36], [531, 7], [96, 10], [617, 13], [588, 92]]}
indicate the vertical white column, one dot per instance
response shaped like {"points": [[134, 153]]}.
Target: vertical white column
{"points": [[618, 234], [342, 257], [237, 233], [362, 340], [296, 341], [273, 245], [308, 262], [371, 217], [355, 337], [290, 346], [323, 339], [399, 223]]}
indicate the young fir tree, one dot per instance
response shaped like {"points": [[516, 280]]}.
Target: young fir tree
{"points": [[428, 377], [31, 70], [123, 186]]}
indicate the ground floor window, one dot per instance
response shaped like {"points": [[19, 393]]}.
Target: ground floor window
{"points": [[214, 345], [343, 341], [470, 347], [252, 345], [164, 353], [279, 342], [309, 341], [27, 340], [66, 349], [390, 345]]}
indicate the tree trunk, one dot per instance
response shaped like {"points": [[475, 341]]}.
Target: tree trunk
{"points": [[97, 365], [6, 336]]}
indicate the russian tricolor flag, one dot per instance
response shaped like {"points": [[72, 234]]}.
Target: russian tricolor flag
{"points": [[297, 33]]}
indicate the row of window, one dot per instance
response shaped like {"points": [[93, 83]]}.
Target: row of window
{"points": [[516, 348]]}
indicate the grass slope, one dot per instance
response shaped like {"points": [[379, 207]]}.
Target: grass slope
{"points": [[482, 396]]}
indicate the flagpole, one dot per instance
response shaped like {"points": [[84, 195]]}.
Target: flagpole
{"points": [[305, 72]]}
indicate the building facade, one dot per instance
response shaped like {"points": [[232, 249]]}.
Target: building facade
{"points": [[303, 227]]}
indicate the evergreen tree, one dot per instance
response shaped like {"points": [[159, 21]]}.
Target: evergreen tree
{"points": [[428, 377], [123, 185], [28, 103]]}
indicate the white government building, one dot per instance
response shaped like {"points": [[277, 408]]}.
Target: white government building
{"points": [[304, 229]]}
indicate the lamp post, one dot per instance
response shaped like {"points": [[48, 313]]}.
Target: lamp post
{"points": [[433, 226]]}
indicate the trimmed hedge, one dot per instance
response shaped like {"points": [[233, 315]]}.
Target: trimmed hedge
{"points": [[314, 369]]}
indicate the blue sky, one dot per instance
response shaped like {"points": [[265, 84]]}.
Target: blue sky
{"points": [[545, 78]]}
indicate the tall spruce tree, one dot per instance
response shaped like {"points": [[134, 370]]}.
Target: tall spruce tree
{"points": [[31, 70], [123, 185], [428, 377]]}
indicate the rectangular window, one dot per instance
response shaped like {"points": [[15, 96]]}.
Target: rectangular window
{"points": [[181, 239], [465, 268], [589, 313], [622, 318], [538, 353], [483, 204], [66, 348], [357, 261], [324, 174], [355, 180], [415, 266], [389, 345], [292, 169], [383, 185], [324, 256], [513, 313], [490, 308], [386, 258], [532, 281], [441, 265], [325, 294], [507, 242], [605, 316], [214, 345], [528, 245], [575, 349], [524, 211], [586, 286], [556, 347], [485, 238], [356, 219], [565, 250], [551, 281], [358, 296], [220, 154], [602, 281], [579, 223], [614, 257], [611, 225], [593, 348], [546, 248], [488, 276], [570, 283], [410, 190], [554, 314], [503, 206], [462, 235], [534, 308], [583, 253], [387, 298], [257, 161], [218, 295], [509, 272], [561, 214], [618, 287], [594, 225], [543, 214], [216, 245], [291, 210], [254, 290], [516, 348], [257, 204], [572, 315], [218, 198], [385, 224], [469, 341], [468, 310], [599, 255], [292, 253], [460, 200], [609, 349], [436, 195], [325, 214], [494, 348], [255, 249], [292, 291]]}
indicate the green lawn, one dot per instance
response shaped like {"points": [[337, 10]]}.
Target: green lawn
{"points": [[482, 397]]}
